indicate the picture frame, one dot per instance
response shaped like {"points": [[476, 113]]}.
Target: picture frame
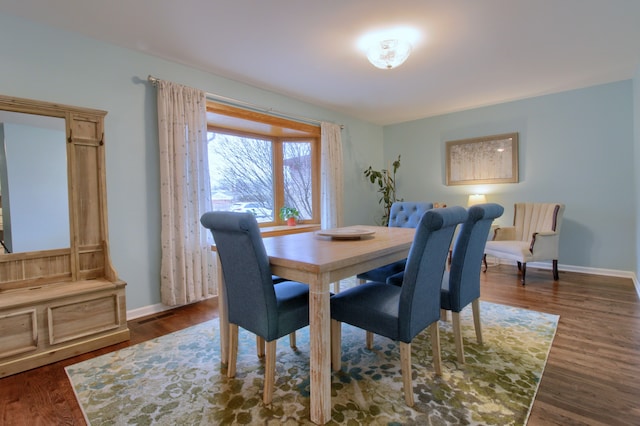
{"points": [[482, 160]]}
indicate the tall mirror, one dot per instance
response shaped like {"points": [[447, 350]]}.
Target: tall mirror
{"points": [[34, 204]]}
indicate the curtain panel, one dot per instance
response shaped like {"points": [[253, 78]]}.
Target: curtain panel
{"points": [[331, 176], [187, 268]]}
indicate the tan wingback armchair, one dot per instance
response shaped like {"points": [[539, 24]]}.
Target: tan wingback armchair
{"points": [[534, 236]]}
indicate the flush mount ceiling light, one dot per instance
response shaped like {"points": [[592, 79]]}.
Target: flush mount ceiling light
{"points": [[388, 54]]}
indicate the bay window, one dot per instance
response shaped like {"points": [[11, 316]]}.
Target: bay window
{"points": [[259, 163]]}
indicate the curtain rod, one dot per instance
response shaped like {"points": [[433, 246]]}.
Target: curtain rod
{"points": [[235, 102]]}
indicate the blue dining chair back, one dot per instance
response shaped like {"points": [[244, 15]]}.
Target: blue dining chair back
{"points": [[403, 214], [402, 312], [419, 304], [407, 214], [253, 301], [468, 250], [461, 284]]}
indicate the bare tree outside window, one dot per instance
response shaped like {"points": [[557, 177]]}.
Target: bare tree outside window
{"points": [[243, 175], [241, 172], [298, 186]]}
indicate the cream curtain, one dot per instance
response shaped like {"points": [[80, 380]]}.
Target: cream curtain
{"points": [[187, 270], [331, 180]]}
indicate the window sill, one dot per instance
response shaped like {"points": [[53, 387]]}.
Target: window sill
{"points": [[272, 231]]}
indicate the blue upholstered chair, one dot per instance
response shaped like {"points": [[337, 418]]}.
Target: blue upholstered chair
{"points": [[403, 214], [400, 313], [461, 283], [253, 301], [260, 344]]}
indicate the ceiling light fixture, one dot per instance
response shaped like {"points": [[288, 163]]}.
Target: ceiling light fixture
{"points": [[389, 54]]}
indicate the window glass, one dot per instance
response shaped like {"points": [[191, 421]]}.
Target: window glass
{"points": [[241, 172], [298, 185]]}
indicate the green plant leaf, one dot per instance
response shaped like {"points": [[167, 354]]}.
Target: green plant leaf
{"points": [[386, 182]]}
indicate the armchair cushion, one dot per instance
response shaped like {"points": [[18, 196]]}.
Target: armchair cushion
{"points": [[504, 233], [513, 250]]}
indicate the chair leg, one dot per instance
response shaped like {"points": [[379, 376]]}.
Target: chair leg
{"points": [[475, 307], [484, 259], [435, 348], [292, 340], [336, 341], [233, 350], [443, 314], [369, 340], [260, 346], [519, 266], [405, 363], [524, 271], [555, 270], [269, 372], [457, 336]]}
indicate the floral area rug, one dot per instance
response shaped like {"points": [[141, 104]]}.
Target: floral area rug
{"points": [[178, 379]]}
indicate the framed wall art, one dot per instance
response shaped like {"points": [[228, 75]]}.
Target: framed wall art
{"points": [[487, 159]]}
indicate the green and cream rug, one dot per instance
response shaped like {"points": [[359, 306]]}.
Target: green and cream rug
{"points": [[177, 379]]}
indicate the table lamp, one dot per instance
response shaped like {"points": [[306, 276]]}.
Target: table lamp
{"points": [[476, 199]]}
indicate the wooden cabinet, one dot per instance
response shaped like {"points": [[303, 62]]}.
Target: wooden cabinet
{"points": [[60, 303]]}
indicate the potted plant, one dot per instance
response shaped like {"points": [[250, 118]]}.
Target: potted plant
{"points": [[290, 214], [386, 181]]}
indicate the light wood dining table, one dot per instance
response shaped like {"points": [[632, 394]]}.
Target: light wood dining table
{"points": [[319, 261]]}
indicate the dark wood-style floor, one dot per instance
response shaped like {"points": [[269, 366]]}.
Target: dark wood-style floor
{"points": [[592, 376]]}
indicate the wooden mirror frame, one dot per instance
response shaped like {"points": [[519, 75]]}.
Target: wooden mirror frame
{"points": [[59, 303]]}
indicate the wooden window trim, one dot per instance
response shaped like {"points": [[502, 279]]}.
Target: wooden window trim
{"points": [[241, 122]]}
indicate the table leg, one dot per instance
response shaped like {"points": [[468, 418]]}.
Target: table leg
{"points": [[319, 327], [222, 315]]}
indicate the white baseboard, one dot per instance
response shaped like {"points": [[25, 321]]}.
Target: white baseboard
{"points": [[151, 309], [147, 310]]}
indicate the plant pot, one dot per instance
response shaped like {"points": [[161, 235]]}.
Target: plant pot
{"points": [[291, 221]]}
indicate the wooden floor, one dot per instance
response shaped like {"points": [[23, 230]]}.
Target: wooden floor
{"points": [[592, 376]]}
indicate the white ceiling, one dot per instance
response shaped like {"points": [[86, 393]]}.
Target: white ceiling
{"points": [[470, 53]]}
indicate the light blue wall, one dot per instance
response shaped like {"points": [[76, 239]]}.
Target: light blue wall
{"points": [[576, 147], [42, 63], [636, 138]]}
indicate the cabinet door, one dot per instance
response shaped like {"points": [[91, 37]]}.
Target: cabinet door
{"points": [[81, 317], [18, 332]]}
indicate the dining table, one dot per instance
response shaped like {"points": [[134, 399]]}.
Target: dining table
{"points": [[318, 259]]}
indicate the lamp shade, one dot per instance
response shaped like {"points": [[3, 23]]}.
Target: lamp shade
{"points": [[476, 199], [388, 54]]}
